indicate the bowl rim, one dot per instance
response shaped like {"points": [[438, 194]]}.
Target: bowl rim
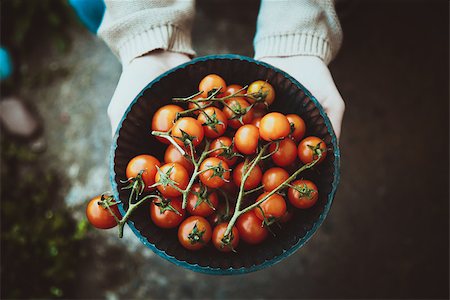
{"points": [[269, 262]]}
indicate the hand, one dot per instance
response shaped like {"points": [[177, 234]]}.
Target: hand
{"points": [[312, 72], [135, 76]]}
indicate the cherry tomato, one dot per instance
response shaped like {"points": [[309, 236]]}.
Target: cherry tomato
{"points": [[274, 126], [214, 178], [251, 229], [211, 82], [256, 122], [173, 155], [148, 164], [177, 173], [286, 153], [218, 238], [273, 178], [262, 89], [194, 233], [225, 154], [240, 106], [186, 129], [273, 207], [259, 110], [201, 104], [232, 89], [101, 217], [298, 127], [246, 139], [288, 215], [309, 149], [201, 202], [304, 195], [214, 122], [221, 214], [164, 118], [253, 179], [167, 213]]}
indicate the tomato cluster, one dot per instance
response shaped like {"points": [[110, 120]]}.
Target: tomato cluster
{"points": [[230, 167]]}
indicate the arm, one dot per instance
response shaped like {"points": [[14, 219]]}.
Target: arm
{"points": [[149, 37], [301, 37]]}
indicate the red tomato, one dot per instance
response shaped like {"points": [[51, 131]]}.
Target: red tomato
{"points": [[273, 207], [194, 233], [178, 174], [221, 215], [256, 122], [218, 238], [251, 229], [202, 104], [164, 118], [309, 149], [232, 89], [214, 122], [146, 163], [101, 217], [246, 139], [200, 202], [167, 213], [240, 106], [274, 126], [273, 178], [253, 179], [173, 155], [190, 128], [288, 215], [304, 195], [298, 127], [262, 89], [225, 154], [211, 82], [286, 153], [214, 178]]}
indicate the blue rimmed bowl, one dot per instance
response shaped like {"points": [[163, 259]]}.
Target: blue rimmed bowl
{"points": [[133, 137]]}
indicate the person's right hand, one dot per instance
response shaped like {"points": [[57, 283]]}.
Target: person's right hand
{"points": [[136, 75]]}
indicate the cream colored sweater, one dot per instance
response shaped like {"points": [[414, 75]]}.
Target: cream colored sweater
{"points": [[284, 28]]}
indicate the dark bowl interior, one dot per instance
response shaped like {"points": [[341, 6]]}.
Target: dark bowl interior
{"points": [[133, 137]]}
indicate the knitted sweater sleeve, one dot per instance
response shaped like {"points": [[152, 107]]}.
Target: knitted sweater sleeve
{"points": [[298, 27], [134, 28]]}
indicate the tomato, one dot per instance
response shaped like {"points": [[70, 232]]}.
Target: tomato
{"points": [[164, 118], [274, 126], [253, 179], [246, 139], [251, 229], [167, 213], [218, 238], [177, 173], [232, 89], [214, 122], [210, 83], [221, 214], [194, 233], [288, 215], [172, 155], [101, 217], [200, 202], [259, 110], [309, 149], [263, 90], [304, 195], [201, 104], [273, 178], [256, 122], [242, 108], [146, 163], [224, 154], [273, 207], [188, 129], [298, 127], [214, 178], [286, 153]]}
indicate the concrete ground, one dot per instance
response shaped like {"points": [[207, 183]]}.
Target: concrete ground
{"points": [[387, 233]]}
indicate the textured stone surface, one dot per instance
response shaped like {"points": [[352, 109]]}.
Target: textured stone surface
{"points": [[387, 233]]}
